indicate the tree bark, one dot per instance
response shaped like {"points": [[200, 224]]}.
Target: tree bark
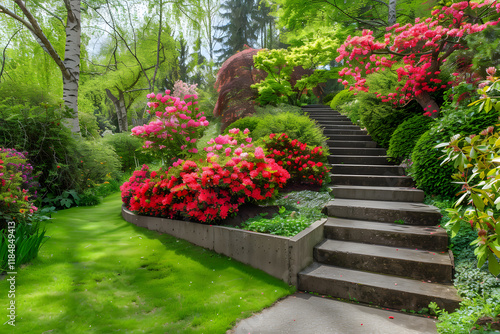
{"points": [[72, 61], [428, 104], [392, 13], [121, 110]]}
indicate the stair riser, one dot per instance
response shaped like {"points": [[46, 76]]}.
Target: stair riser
{"points": [[437, 243], [369, 170], [395, 299], [381, 195], [357, 160], [357, 144], [336, 123], [357, 151], [383, 215], [343, 132], [416, 270], [371, 181], [329, 127]]}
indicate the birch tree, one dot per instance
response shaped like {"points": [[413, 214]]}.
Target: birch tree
{"points": [[30, 13]]}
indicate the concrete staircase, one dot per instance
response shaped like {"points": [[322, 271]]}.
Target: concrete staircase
{"points": [[382, 245]]}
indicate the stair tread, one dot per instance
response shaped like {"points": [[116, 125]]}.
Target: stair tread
{"points": [[396, 253], [401, 206], [378, 188], [382, 281], [357, 156], [433, 231], [370, 176]]}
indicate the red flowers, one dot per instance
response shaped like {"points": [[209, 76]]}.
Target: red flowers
{"points": [[304, 164], [207, 191]]}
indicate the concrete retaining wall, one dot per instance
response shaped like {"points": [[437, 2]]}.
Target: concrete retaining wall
{"points": [[281, 257]]}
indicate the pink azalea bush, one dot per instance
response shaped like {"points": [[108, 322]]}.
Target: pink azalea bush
{"points": [[422, 47], [176, 126], [209, 186], [306, 165], [17, 186]]}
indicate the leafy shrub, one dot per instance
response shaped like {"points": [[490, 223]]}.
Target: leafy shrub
{"points": [[208, 187], [39, 131], [127, 148], [405, 136], [342, 97], [28, 239], [98, 163], [305, 164], [18, 187], [427, 171], [249, 123], [295, 126], [89, 127], [279, 109], [286, 223], [327, 99]]}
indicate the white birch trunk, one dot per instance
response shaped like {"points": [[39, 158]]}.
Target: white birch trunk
{"points": [[392, 12], [72, 62]]}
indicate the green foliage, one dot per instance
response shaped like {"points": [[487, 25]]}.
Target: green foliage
{"points": [[98, 163], [249, 123], [328, 98], [39, 131], [285, 223], [342, 97], [473, 282], [405, 136], [475, 159], [293, 72], [298, 210], [28, 239], [89, 127], [427, 171], [295, 126], [128, 150]]}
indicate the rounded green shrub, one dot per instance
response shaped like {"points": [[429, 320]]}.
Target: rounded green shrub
{"points": [[128, 149], [327, 99], [295, 126], [249, 123], [405, 136], [342, 97], [427, 171]]}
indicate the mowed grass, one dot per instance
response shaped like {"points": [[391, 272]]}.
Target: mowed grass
{"points": [[99, 274]]}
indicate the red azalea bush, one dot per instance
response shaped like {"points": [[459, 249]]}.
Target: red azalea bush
{"points": [[208, 187], [305, 165], [176, 127], [17, 186]]}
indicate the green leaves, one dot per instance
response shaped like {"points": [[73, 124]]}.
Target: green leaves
{"points": [[476, 159]]}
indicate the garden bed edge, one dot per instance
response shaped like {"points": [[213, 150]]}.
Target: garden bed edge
{"points": [[281, 257]]}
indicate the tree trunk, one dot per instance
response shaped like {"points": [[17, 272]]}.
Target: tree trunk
{"points": [[121, 110], [72, 61], [428, 104], [392, 13]]}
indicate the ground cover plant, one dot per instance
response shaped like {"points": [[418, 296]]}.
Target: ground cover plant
{"points": [[99, 273]]}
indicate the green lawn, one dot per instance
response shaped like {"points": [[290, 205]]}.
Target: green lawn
{"points": [[98, 273]]}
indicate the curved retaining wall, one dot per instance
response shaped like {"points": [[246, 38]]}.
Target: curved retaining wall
{"points": [[281, 257]]}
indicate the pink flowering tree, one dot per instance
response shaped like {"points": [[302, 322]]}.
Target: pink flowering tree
{"points": [[182, 89], [416, 52], [176, 126]]}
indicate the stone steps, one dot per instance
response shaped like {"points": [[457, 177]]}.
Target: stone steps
{"points": [[382, 245], [352, 143], [357, 159], [384, 211], [396, 235], [370, 180], [410, 263], [380, 193], [356, 169], [367, 151], [383, 290]]}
